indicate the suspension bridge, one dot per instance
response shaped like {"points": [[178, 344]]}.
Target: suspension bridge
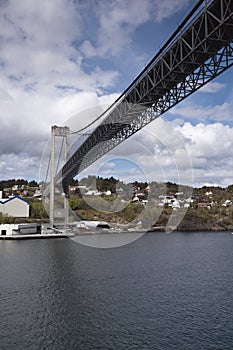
{"points": [[200, 49]]}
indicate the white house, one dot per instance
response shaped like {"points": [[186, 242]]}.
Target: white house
{"points": [[93, 193], [14, 206]]}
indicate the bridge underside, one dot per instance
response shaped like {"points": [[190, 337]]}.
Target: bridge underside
{"points": [[200, 50]]}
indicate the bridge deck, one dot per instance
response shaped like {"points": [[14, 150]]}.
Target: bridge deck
{"points": [[199, 50]]}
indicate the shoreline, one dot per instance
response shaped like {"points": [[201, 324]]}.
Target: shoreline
{"points": [[193, 230], [64, 234]]}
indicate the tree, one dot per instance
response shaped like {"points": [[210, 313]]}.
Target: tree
{"points": [[33, 183], [37, 210]]}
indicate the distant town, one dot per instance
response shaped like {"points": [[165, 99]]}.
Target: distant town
{"points": [[207, 208]]}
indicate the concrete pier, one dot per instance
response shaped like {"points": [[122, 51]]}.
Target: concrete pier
{"points": [[32, 231], [37, 236]]}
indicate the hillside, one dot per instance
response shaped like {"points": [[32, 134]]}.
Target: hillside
{"points": [[207, 208]]}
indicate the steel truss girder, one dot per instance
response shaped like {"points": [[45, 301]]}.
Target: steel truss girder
{"points": [[200, 52]]}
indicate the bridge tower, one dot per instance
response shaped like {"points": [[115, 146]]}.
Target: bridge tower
{"points": [[64, 132]]}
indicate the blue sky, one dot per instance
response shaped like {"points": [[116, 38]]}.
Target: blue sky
{"points": [[60, 58]]}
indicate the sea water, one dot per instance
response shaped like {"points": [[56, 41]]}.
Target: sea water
{"points": [[163, 291]]}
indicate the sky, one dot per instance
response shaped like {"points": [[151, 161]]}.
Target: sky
{"points": [[59, 59]]}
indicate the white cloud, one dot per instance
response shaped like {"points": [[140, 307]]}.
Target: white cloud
{"points": [[37, 49], [119, 18], [166, 8], [26, 123], [156, 153], [199, 154], [222, 112], [15, 166], [42, 80], [210, 149], [212, 87]]}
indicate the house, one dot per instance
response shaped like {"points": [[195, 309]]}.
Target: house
{"points": [[73, 188], [203, 204], [108, 193], [14, 206], [135, 199], [227, 203], [38, 193], [93, 193], [210, 193]]}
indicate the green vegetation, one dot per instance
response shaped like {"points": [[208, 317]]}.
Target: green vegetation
{"points": [[5, 219], [215, 219], [5, 184], [37, 210]]}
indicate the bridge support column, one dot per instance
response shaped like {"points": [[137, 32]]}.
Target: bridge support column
{"points": [[67, 155], [52, 188], [62, 132]]}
